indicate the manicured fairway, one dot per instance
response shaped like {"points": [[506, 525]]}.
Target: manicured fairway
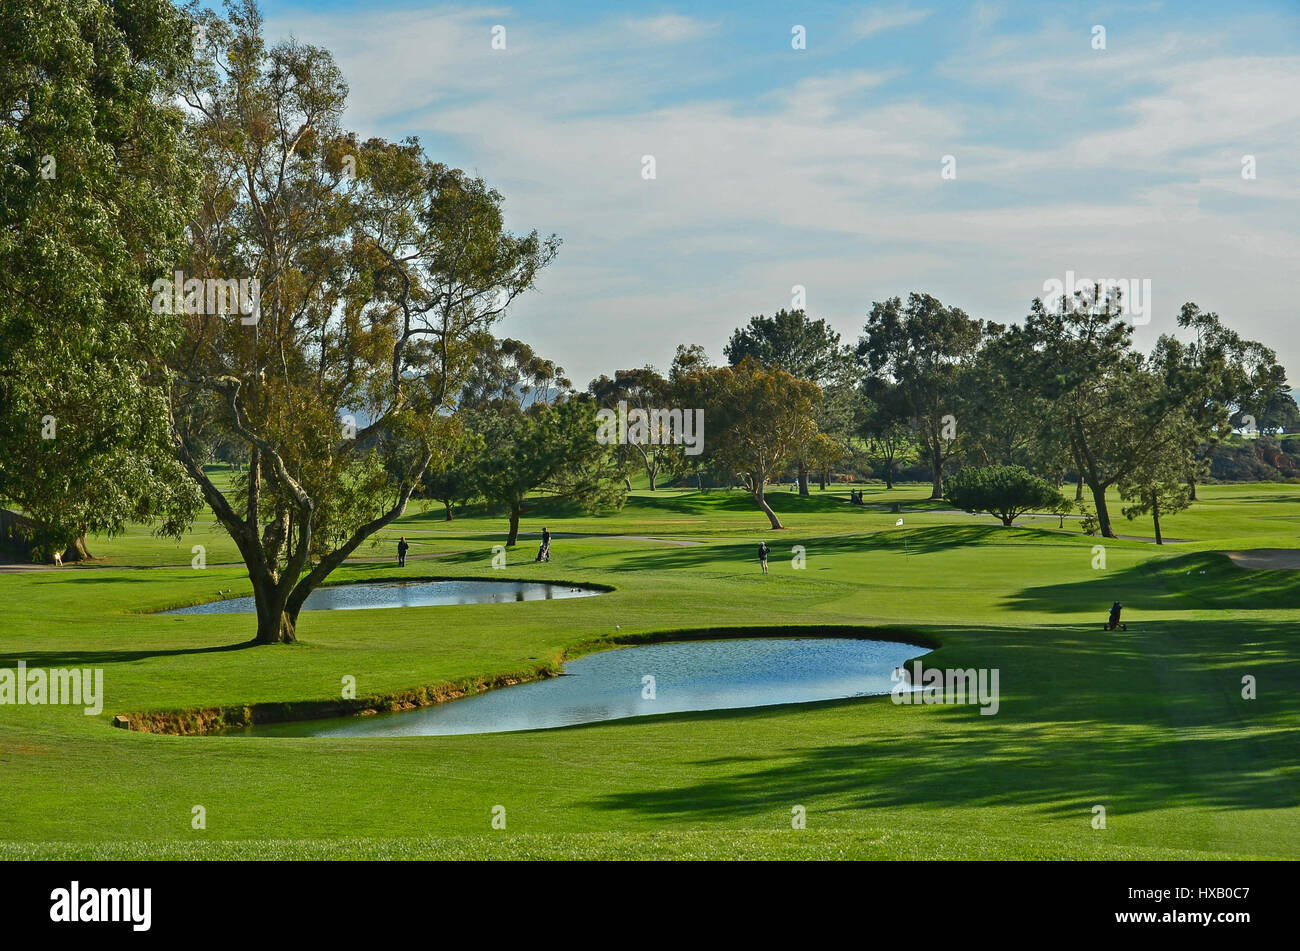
{"points": [[1149, 723]]}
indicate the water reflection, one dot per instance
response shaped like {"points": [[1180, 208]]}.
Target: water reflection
{"points": [[408, 594], [655, 678]]}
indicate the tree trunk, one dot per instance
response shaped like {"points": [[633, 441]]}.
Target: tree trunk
{"points": [[1078, 488], [936, 462], [1103, 514], [627, 483], [514, 525], [803, 478], [767, 509], [77, 550], [274, 625], [1191, 488], [276, 632], [1155, 516], [447, 504], [651, 473], [822, 479]]}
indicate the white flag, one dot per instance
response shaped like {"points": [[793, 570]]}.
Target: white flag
{"points": [[899, 522]]}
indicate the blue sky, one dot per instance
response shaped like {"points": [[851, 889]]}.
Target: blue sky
{"points": [[820, 167]]}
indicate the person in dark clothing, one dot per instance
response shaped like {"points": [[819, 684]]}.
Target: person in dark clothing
{"points": [[763, 552], [402, 548], [1113, 623], [544, 552]]}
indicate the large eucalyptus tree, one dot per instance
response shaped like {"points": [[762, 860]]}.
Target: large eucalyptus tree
{"points": [[375, 271]]}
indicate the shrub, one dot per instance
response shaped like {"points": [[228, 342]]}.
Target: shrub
{"points": [[1004, 491], [1088, 523]]}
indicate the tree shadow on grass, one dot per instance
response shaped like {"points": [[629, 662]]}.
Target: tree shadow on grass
{"points": [[1132, 721], [95, 658], [983, 764], [435, 515], [1188, 582], [904, 543], [1136, 721], [431, 562], [110, 575], [718, 501], [1179, 674]]}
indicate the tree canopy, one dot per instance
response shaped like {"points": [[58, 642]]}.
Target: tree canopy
{"points": [[95, 186], [758, 420], [378, 271], [921, 348]]}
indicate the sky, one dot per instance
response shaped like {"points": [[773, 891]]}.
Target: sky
{"points": [[823, 167]]}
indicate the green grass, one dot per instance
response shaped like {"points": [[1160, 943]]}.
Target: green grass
{"points": [[1149, 723]]}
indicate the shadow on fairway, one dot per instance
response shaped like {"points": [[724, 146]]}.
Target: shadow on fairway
{"points": [[1136, 722], [900, 541], [718, 501], [81, 658], [1188, 582], [986, 767]]}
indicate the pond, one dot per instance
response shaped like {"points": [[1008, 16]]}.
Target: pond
{"points": [[407, 594], [613, 684]]}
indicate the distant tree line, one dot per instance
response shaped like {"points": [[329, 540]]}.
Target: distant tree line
{"points": [[928, 390]]}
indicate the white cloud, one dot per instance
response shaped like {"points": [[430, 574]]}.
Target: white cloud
{"points": [[879, 19], [669, 28], [833, 180]]}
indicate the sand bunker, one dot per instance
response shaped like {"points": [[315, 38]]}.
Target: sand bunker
{"points": [[1284, 559]]}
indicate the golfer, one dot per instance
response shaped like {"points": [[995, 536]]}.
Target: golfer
{"points": [[763, 551]]}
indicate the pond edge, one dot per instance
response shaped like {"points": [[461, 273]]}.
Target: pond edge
{"points": [[405, 579], [197, 721]]}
